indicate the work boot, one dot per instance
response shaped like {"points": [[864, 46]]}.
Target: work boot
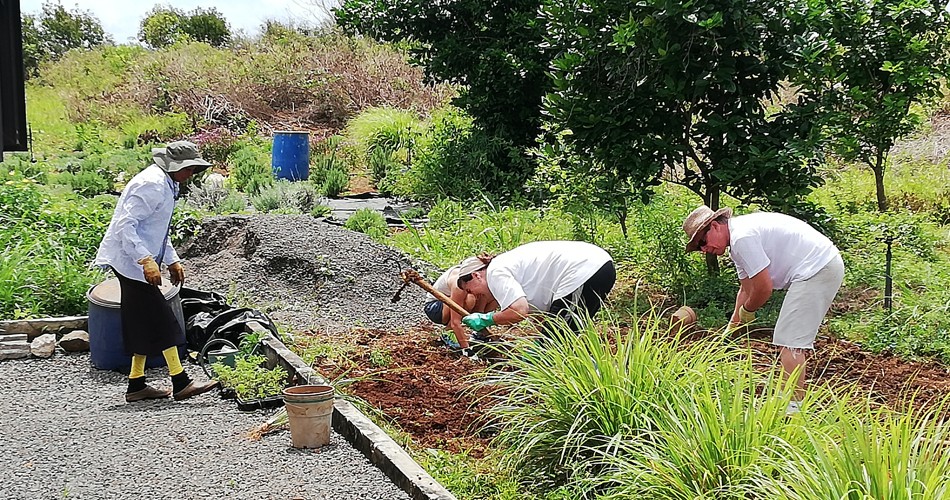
{"points": [[185, 388], [138, 390]]}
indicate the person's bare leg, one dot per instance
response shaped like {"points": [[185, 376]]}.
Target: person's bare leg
{"points": [[791, 360]]}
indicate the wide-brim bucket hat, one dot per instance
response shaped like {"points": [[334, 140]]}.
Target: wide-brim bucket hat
{"points": [[178, 155], [697, 221]]}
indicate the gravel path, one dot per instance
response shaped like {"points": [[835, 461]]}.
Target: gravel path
{"points": [[67, 432], [303, 272]]}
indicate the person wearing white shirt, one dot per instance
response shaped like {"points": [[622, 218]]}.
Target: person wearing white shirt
{"points": [[134, 246], [441, 314], [774, 251], [566, 279]]}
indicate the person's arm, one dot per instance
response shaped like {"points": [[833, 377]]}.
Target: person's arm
{"points": [[753, 293], [517, 311]]}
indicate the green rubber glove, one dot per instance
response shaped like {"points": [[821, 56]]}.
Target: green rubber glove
{"points": [[479, 321]]}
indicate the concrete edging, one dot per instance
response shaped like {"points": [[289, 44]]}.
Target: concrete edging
{"points": [[358, 429]]}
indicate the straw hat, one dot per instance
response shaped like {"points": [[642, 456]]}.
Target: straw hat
{"points": [[697, 221], [178, 155]]}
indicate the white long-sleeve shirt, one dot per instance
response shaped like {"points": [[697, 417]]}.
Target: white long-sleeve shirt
{"points": [[139, 226]]}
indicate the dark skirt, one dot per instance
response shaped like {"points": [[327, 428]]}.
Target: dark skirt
{"points": [[148, 324]]}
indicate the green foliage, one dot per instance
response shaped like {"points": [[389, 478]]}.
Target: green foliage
{"points": [[369, 222], [165, 25], [494, 49], [216, 199], [884, 455], [286, 197], [250, 170], [320, 211], [457, 160], [875, 61], [679, 91], [250, 379], [54, 31], [335, 182], [380, 358], [48, 237]]}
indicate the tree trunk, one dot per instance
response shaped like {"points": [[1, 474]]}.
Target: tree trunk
{"points": [[879, 181], [712, 201]]}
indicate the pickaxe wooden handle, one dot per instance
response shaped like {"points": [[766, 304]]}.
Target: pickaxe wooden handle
{"points": [[411, 276]]}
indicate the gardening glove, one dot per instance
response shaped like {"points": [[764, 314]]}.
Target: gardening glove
{"points": [[479, 321], [177, 273], [746, 316], [150, 270]]}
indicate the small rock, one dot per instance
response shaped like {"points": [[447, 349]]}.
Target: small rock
{"points": [[43, 346], [75, 341], [214, 180]]}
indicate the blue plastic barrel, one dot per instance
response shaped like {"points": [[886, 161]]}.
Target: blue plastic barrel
{"points": [[106, 347], [290, 158]]}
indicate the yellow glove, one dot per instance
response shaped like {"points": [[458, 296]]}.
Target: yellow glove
{"points": [[150, 269], [746, 316], [177, 273]]}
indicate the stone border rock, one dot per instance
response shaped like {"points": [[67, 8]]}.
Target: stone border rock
{"points": [[35, 327], [359, 430]]}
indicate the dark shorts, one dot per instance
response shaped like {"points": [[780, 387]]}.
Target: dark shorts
{"points": [[433, 310], [593, 294]]}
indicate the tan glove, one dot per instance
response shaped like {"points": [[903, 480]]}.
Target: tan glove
{"points": [[746, 316], [177, 273], [153, 275]]}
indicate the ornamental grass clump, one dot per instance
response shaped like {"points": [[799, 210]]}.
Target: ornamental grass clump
{"points": [[571, 401], [884, 454]]}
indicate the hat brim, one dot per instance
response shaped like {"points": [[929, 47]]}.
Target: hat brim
{"points": [[693, 244], [160, 156]]}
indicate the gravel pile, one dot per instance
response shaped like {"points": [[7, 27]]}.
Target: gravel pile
{"points": [[68, 433], [303, 272]]}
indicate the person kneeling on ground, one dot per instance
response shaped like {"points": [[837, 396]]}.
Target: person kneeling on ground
{"points": [[774, 251], [565, 279], [134, 246], [441, 314]]}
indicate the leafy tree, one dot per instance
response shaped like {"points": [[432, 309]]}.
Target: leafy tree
{"points": [[161, 26], [208, 26], [679, 90], [491, 49], [31, 45], [879, 59], [164, 26], [53, 32]]}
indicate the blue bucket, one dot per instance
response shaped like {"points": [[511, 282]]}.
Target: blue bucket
{"points": [[105, 326], [290, 158]]}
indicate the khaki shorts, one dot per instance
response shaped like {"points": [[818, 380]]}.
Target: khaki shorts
{"points": [[805, 306]]}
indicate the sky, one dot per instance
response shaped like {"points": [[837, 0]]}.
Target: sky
{"points": [[121, 18]]}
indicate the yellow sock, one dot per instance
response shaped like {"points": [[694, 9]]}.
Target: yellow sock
{"points": [[172, 360], [138, 366]]}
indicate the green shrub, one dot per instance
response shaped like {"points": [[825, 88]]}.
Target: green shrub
{"points": [[216, 199], [286, 197], [320, 211], [446, 214], [250, 170], [335, 182], [460, 161], [250, 379], [368, 221]]}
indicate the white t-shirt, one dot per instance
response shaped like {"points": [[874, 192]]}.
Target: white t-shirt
{"points": [[790, 248], [444, 283], [543, 272]]}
